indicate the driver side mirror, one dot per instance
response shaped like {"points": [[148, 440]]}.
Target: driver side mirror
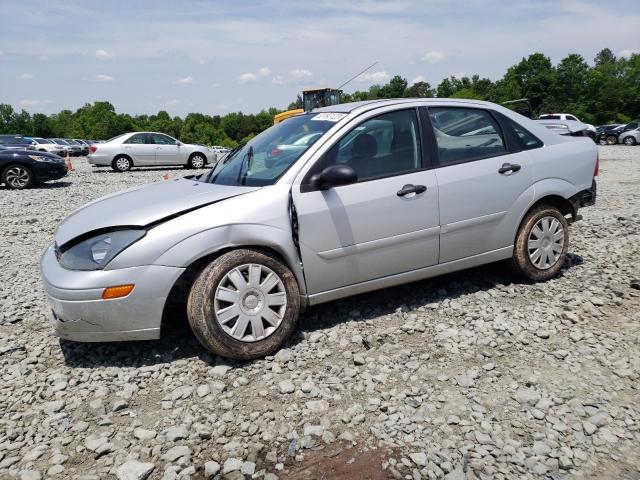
{"points": [[178, 143], [334, 176]]}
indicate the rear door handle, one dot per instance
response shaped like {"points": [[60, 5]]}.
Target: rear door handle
{"points": [[410, 190], [509, 167]]}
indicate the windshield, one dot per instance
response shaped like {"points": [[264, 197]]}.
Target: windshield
{"points": [[266, 157]]}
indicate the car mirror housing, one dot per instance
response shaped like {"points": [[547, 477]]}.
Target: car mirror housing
{"points": [[334, 176]]}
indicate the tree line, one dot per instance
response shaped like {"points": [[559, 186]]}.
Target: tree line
{"points": [[608, 91]]}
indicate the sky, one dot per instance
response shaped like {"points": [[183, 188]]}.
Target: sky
{"points": [[216, 57]]}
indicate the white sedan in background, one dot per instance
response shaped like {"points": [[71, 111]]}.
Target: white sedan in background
{"points": [[143, 149]]}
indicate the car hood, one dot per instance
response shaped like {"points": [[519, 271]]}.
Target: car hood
{"points": [[144, 206]]}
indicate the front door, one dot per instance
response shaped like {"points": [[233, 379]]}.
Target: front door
{"points": [[386, 223], [139, 147], [483, 187], [167, 152]]}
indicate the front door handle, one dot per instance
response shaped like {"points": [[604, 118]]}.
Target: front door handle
{"points": [[509, 167], [411, 190]]}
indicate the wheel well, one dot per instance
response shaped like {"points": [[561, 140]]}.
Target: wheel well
{"points": [[175, 305], [123, 155], [557, 201]]}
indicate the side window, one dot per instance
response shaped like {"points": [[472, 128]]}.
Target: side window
{"points": [[138, 139], [160, 139], [571, 117], [386, 145], [465, 134], [527, 140]]}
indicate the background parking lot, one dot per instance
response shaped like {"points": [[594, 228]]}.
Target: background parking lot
{"points": [[471, 375]]}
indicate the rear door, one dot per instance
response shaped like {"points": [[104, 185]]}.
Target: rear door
{"points": [[483, 185], [167, 152], [140, 149], [376, 227]]}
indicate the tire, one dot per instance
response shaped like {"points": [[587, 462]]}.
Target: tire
{"points": [[197, 160], [611, 140], [526, 261], [241, 306], [17, 177], [629, 141], [121, 163]]}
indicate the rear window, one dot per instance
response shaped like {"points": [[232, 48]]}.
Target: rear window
{"points": [[549, 117]]}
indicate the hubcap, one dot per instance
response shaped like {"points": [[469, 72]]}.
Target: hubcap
{"points": [[250, 302], [17, 177], [197, 161], [545, 243], [628, 141], [122, 164]]}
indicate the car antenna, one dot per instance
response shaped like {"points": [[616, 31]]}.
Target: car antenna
{"points": [[356, 76]]}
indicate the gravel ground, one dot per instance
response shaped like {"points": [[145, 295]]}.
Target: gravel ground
{"points": [[471, 375]]}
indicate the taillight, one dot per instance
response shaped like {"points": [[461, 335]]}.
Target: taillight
{"points": [[275, 152], [595, 170], [93, 149]]}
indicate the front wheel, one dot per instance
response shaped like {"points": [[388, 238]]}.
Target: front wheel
{"points": [[541, 244], [611, 140], [244, 304], [17, 177], [629, 141]]}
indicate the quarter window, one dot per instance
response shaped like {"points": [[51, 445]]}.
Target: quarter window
{"points": [[465, 134], [137, 139], [526, 139], [386, 145]]}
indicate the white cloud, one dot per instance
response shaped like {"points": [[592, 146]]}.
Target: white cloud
{"points": [[374, 77], [201, 62], [300, 73], [459, 75], [1, 53], [433, 56], [264, 72], [247, 78], [215, 85], [628, 52], [419, 78], [185, 81], [103, 78], [169, 103], [103, 54], [277, 80], [26, 76], [33, 103]]}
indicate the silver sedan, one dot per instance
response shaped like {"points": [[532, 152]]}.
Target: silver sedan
{"points": [[388, 192], [142, 149]]}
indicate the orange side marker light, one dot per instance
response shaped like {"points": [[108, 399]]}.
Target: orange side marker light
{"points": [[118, 291]]}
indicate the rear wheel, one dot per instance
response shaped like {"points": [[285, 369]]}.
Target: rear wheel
{"points": [[196, 160], [121, 163], [17, 177], [629, 141], [541, 244], [244, 304]]}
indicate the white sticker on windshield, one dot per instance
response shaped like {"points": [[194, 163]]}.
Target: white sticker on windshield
{"points": [[330, 116]]}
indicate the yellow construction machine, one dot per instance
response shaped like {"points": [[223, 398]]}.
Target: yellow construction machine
{"points": [[312, 98]]}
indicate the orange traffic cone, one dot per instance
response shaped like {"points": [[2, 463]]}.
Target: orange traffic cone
{"points": [[69, 164]]}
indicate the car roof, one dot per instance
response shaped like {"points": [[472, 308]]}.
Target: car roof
{"points": [[384, 102]]}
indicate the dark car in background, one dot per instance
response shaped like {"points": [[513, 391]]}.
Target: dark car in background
{"points": [[608, 134], [21, 168], [74, 150], [84, 147], [611, 135], [16, 142]]}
